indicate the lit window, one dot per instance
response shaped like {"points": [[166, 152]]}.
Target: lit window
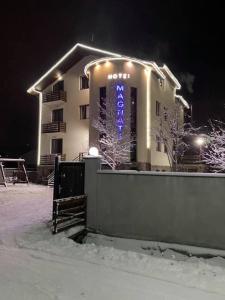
{"points": [[161, 82], [158, 144], [157, 111], [84, 112], [84, 82]]}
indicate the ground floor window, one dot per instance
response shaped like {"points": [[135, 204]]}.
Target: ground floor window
{"points": [[57, 146], [158, 144], [133, 123]]}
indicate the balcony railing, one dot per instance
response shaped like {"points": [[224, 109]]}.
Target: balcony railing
{"points": [[54, 127], [49, 159], [54, 96]]}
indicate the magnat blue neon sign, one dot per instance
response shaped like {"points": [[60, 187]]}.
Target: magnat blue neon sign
{"points": [[120, 109]]}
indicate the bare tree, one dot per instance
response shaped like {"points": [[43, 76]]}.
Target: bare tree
{"points": [[172, 131], [214, 148], [113, 127]]}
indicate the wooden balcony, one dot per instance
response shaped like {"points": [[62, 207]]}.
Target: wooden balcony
{"points": [[50, 97], [54, 127], [49, 159]]}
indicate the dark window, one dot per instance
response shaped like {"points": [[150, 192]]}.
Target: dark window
{"points": [[84, 112], [133, 123], [165, 114], [58, 86], [158, 144], [165, 146], [57, 115], [102, 96], [157, 111], [57, 145], [102, 111], [84, 82]]}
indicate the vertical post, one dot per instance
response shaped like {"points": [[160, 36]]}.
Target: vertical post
{"points": [[25, 172], [92, 165], [3, 174]]}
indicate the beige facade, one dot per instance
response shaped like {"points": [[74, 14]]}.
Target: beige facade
{"points": [[152, 83]]}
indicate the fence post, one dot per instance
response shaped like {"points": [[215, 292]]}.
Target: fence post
{"points": [[92, 165]]}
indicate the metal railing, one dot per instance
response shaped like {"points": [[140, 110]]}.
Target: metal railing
{"points": [[54, 127], [49, 159], [54, 96]]}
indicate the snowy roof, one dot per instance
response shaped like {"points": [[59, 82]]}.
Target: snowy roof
{"points": [[182, 100], [78, 52]]}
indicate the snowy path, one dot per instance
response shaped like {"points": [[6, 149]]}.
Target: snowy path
{"points": [[36, 265]]}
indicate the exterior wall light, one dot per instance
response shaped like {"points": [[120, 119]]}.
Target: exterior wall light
{"points": [[129, 63], [200, 141], [93, 151]]}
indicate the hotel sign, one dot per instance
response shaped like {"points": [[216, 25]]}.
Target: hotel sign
{"points": [[118, 76], [120, 109]]}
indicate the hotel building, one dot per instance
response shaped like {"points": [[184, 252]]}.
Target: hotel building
{"points": [[69, 94]]}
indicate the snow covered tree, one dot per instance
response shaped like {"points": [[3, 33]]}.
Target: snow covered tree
{"points": [[213, 153], [172, 131], [115, 138]]}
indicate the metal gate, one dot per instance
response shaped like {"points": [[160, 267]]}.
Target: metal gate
{"points": [[69, 200]]}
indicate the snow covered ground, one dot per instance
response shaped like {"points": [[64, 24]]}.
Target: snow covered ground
{"points": [[34, 264]]}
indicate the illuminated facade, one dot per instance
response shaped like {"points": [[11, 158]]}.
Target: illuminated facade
{"points": [[69, 94]]}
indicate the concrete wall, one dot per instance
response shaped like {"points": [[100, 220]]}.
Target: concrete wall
{"points": [[168, 207]]}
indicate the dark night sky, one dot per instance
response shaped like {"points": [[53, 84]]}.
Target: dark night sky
{"points": [[187, 36]]}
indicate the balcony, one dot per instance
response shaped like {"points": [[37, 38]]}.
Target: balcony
{"points": [[49, 159], [52, 97], [54, 127]]}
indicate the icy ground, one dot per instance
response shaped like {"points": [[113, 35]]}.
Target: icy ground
{"points": [[36, 265]]}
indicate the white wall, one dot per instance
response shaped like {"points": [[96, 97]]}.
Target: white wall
{"points": [[76, 138]]}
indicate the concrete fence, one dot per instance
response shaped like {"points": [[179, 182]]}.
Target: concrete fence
{"points": [[168, 207]]}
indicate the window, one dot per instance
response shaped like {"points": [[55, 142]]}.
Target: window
{"points": [[165, 146], [84, 112], [84, 82], [157, 111], [165, 114], [158, 144], [57, 115], [57, 145], [102, 100], [58, 86], [102, 111], [133, 123], [161, 82]]}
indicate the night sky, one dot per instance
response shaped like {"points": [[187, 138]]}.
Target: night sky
{"points": [[187, 36]]}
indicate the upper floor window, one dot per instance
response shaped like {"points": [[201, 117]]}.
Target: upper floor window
{"points": [[161, 82], [157, 111], [57, 115], [84, 82], [58, 86], [84, 112]]}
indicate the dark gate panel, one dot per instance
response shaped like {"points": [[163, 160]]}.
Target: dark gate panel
{"points": [[69, 200], [69, 179]]}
